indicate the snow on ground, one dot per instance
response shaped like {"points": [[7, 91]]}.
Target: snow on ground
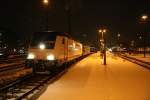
{"points": [[89, 79]]}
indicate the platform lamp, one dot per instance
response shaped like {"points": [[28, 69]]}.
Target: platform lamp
{"points": [[102, 31]]}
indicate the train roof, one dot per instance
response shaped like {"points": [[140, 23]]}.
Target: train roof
{"points": [[55, 33]]}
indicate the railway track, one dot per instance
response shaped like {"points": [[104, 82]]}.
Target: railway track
{"points": [[136, 61], [12, 72], [28, 87], [3, 61], [12, 67], [31, 86]]}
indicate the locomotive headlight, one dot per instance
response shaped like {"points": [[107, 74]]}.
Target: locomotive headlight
{"points": [[50, 57], [42, 46], [31, 56]]}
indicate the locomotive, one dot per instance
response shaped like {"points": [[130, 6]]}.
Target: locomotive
{"points": [[49, 50]]}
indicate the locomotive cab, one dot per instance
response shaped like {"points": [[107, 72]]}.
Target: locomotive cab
{"points": [[47, 51]]}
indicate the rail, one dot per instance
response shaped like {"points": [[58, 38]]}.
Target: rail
{"points": [[12, 66], [28, 87], [136, 61]]}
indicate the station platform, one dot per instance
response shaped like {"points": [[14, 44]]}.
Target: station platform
{"points": [[89, 79]]}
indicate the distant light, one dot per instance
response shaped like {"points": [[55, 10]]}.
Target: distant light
{"points": [[118, 35], [140, 37], [1, 34], [102, 31], [14, 50], [144, 17], [31, 56], [101, 40], [1, 54], [46, 1], [110, 50]]}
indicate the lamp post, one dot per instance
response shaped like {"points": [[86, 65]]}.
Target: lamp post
{"points": [[144, 19], [118, 35], [46, 3], [139, 38], [102, 31]]}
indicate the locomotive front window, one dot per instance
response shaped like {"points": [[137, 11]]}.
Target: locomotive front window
{"points": [[43, 37], [50, 45]]}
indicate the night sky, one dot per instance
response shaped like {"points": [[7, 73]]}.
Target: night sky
{"points": [[87, 16]]}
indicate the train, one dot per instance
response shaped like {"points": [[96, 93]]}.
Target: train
{"points": [[48, 50]]}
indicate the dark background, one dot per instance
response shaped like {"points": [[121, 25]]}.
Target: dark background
{"points": [[119, 16]]}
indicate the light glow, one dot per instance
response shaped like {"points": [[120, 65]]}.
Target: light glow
{"points": [[144, 17], [42, 46], [110, 50], [31, 56], [50, 57], [102, 31], [118, 35], [46, 1], [1, 54]]}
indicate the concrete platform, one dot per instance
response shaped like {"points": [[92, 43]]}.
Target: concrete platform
{"points": [[89, 79]]}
